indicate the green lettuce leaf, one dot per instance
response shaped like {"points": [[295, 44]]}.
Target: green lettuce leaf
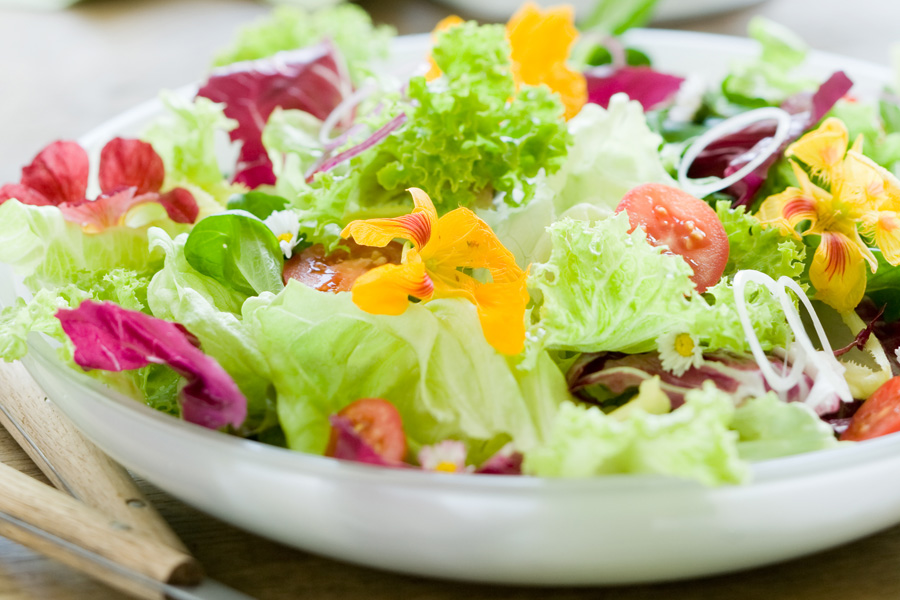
{"points": [[613, 151], [185, 137], [772, 77], [432, 362], [752, 246], [348, 26], [211, 311], [470, 134], [880, 129], [691, 442], [605, 289], [51, 252], [770, 428]]}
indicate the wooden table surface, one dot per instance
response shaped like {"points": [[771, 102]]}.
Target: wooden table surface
{"points": [[63, 73]]}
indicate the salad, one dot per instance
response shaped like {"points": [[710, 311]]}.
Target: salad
{"points": [[536, 255]]}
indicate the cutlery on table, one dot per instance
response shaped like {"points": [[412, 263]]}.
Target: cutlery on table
{"points": [[100, 524]]}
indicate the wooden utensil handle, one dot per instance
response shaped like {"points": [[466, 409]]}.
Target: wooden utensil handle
{"points": [[30, 507], [70, 461]]}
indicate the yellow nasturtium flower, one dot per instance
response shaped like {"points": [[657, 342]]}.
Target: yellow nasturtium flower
{"points": [[433, 267], [540, 43], [861, 199]]}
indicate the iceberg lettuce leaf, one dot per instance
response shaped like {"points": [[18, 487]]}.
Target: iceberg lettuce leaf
{"points": [[691, 442], [432, 362]]}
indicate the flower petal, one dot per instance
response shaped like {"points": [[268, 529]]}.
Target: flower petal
{"points": [[501, 310], [23, 194], [130, 163], [540, 43], [415, 227], [462, 239], [887, 235], [59, 173], [106, 211], [386, 290], [822, 149], [838, 271], [180, 205]]}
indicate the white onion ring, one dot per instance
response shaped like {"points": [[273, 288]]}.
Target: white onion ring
{"points": [[727, 127]]}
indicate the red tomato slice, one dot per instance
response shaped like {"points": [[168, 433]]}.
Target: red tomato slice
{"points": [[879, 415], [687, 225], [337, 271], [378, 423]]}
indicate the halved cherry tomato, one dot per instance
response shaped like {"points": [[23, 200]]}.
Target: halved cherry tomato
{"points": [[378, 423], [337, 271], [687, 225], [879, 415]]}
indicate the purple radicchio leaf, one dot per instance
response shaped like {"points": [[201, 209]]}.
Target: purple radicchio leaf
{"points": [[505, 462], [649, 87], [312, 79], [738, 376], [109, 337], [731, 152]]}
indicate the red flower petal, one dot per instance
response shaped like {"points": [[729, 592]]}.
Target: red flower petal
{"points": [[180, 205], [130, 163], [59, 173], [23, 194]]}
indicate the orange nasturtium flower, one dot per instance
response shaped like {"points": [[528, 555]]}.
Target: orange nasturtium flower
{"points": [[861, 198], [540, 43], [433, 266]]}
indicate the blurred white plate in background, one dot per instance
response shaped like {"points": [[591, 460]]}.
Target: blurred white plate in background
{"points": [[668, 10]]}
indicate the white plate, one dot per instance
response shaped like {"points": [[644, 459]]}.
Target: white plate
{"points": [[667, 10], [491, 528]]}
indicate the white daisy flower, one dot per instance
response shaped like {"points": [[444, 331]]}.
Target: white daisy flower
{"points": [[448, 456], [285, 224], [679, 351]]}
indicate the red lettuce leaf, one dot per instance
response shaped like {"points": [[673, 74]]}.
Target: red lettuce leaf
{"points": [[649, 87], [312, 79], [731, 152], [618, 373], [888, 333], [58, 174], [109, 337], [130, 163], [505, 462]]}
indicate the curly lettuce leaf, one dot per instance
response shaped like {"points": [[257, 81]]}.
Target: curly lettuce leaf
{"points": [[348, 26], [769, 428], [470, 133], [604, 289], [691, 442], [752, 246], [185, 137], [432, 362]]}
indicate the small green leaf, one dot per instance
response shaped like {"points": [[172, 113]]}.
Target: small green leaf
{"points": [[238, 251], [258, 204]]}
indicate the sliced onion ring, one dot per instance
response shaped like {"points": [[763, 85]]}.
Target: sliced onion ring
{"points": [[728, 127]]}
